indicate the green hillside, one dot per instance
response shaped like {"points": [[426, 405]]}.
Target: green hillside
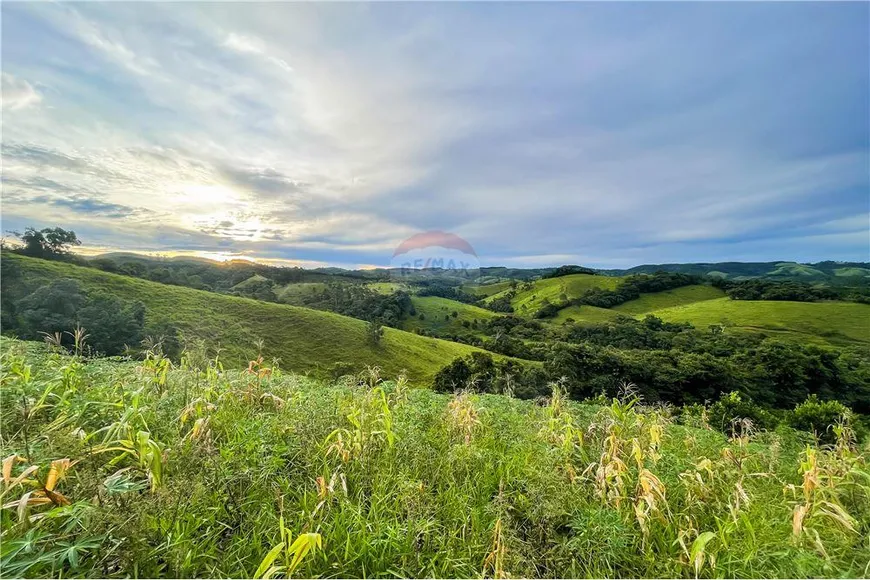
{"points": [[294, 293], [528, 301], [669, 298], [253, 280], [304, 339], [797, 271], [585, 315], [438, 316], [834, 322], [485, 290], [830, 272], [852, 272]]}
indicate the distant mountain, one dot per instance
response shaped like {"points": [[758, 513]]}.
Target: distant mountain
{"points": [[835, 273], [829, 272]]}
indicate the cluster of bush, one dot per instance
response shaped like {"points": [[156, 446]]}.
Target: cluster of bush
{"points": [[678, 364], [632, 287], [774, 290], [721, 409], [57, 310], [569, 269], [501, 304], [444, 289], [358, 301]]}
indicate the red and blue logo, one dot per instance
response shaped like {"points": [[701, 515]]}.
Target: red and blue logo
{"points": [[436, 250]]}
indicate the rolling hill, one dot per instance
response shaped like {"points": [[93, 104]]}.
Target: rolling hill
{"points": [[832, 322], [304, 339], [669, 298], [529, 300], [437, 315], [830, 272]]}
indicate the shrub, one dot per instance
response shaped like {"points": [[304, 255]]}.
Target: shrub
{"points": [[818, 417], [732, 407]]}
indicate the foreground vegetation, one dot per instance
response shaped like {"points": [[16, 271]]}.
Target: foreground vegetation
{"points": [[146, 469]]}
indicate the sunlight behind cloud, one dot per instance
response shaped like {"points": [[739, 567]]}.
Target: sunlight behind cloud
{"points": [[550, 130]]}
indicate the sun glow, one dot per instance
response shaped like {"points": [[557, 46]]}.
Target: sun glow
{"points": [[200, 194]]}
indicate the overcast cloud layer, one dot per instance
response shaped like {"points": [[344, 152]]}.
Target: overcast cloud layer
{"points": [[607, 135]]}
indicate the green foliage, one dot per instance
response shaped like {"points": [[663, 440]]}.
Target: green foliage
{"points": [[819, 417], [567, 270], [633, 286], [258, 473], [430, 312], [48, 243], [731, 409], [49, 309], [256, 287], [443, 289], [502, 303], [374, 333], [361, 302], [59, 308], [775, 290]]}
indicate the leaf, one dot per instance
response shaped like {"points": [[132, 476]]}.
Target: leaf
{"points": [[58, 469], [8, 464], [23, 476], [300, 548], [55, 497], [267, 561], [696, 554]]}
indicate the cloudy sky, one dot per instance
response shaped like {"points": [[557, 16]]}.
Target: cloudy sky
{"points": [[606, 135]]}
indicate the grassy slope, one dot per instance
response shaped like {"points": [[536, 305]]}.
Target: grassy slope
{"points": [[669, 298], [527, 302], [864, 272], [302, 338], [437, 311], [834, 322], [584, 315], [487, 289], [294, 293], [386, 287]]}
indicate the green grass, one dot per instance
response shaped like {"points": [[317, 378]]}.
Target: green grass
{"points": [[199, 476], [295, 293], [386, 287], [304, 339], [794, 270], [862, 272], [669, 298], [485, 290], [584, 315], [437, 315], [833, 322], [528, 302]]}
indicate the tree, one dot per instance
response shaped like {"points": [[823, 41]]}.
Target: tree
{"points": [[48, 242], [62, 306], [374, 333], [50, 309], [112, 323]]}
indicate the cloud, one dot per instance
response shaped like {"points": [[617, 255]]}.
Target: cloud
{"points": [[541, 133], [262, 181], [84, 205], [18, 93], [254, 45]]}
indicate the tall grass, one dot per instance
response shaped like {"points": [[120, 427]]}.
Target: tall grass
{"points": [[138, 468]]}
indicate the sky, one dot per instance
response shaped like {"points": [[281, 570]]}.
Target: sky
{"points": [[608, 135]]}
